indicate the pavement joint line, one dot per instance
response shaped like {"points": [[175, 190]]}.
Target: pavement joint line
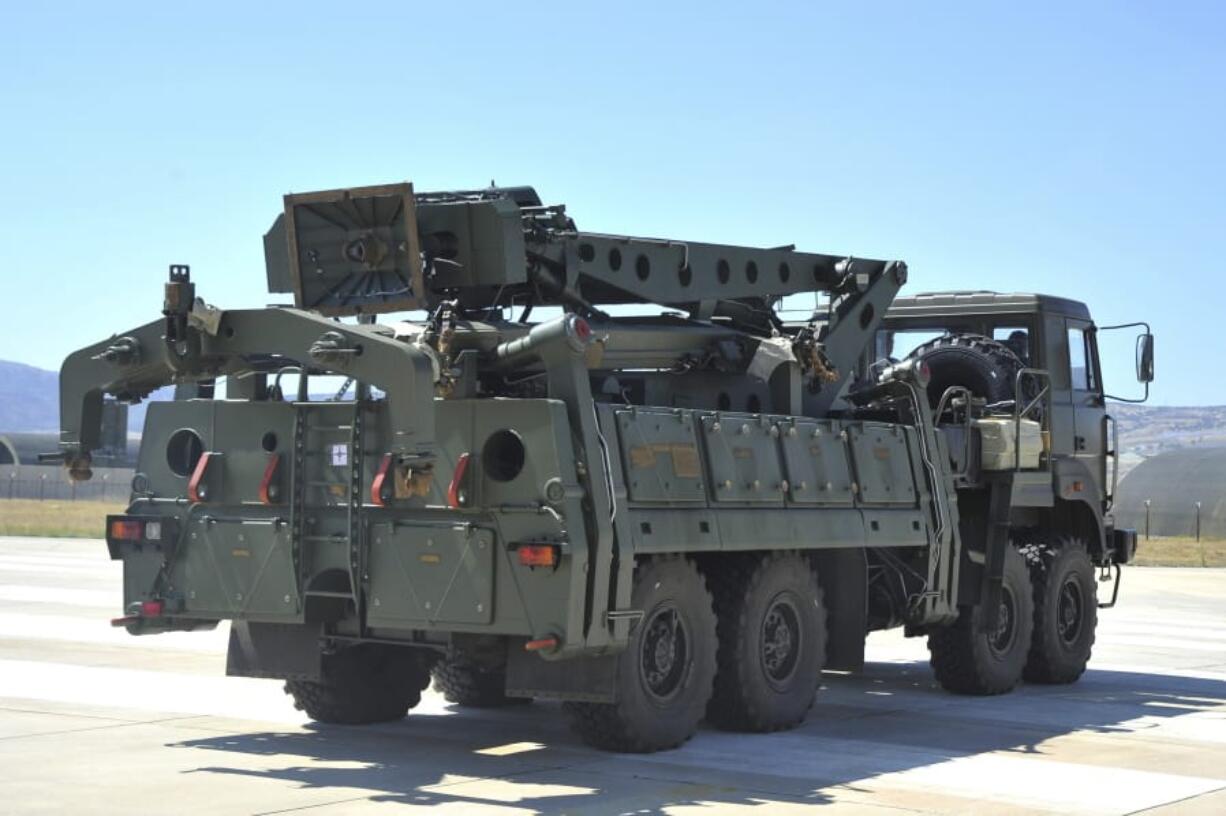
{"points": [[61, 714], [312, 806], [1162, 806], [121, 724]]}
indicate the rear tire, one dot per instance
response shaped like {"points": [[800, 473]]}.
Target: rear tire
{"points": [[466, 683], [1065, 609], [362, 684], [967, 661], [772, 641], [664, 676]]}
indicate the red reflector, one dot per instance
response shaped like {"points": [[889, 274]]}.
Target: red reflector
{"points": [[541, 644], [152, 609], [126, 529], [538, 555], [582, 329], [455, 491]]}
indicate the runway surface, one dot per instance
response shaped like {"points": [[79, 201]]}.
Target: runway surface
{"points": [[93, 720]]}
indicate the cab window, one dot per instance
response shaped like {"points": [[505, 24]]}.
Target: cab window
{"points": [[1081, 362], [896, 344], [1016, 338]]}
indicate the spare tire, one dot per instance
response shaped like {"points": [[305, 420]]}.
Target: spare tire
{"points": [[987, 368]]}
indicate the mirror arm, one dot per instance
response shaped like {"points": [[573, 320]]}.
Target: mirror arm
{"points": [[1124, 399]]}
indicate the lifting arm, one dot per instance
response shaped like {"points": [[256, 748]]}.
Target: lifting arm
{"points": [[131, 366]]}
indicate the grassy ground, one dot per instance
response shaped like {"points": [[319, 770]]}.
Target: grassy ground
{"points": [[1180, 552], [58, 519], [87, 519]]}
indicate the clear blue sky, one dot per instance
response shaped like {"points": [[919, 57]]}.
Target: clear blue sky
{"points": [[1075, 148]]}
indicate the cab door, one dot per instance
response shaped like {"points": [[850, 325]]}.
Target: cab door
{"points": [[1085, 390], [1063, 411]]}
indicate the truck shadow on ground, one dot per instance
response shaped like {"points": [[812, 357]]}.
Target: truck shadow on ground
{"points": [[890, 719]]}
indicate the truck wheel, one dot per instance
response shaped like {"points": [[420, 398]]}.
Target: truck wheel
{"points": [[664, 676], [466, 683], [772, 642], [984, 366], [367, 683], [1065, 609], [968, 661]]}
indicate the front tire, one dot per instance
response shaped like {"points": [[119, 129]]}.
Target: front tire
{"points": [[969, 661], [772, 641], [664, 676], [367, 683], [1065, 610]]}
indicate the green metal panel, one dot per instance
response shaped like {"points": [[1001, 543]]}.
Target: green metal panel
{"points": [[743, 458], [232, 567], [799, 528], [815, 456], [660, 456], [422, 575], [882, 463]]}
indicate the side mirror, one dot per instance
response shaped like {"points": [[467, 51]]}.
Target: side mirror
{"points": [[1145, 358]]}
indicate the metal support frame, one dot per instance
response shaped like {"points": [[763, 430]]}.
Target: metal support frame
{"points": [[997, 543], [1019, 413], [947, 400]]}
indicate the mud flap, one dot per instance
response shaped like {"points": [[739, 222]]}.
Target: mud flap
{"points": [[843, 576], [281, 650], [997, 543], [581, 679]]}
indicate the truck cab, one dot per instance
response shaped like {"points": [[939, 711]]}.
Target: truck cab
{"points": [[1049, 346]]}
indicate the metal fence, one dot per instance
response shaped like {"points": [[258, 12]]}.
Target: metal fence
{"points": [[46, 482], [1188, 519]]}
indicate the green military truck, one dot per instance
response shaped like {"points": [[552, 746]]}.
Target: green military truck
{"points": [[686, 510]]}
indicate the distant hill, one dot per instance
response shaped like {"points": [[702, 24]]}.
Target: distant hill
{"points": [[29, 398], [29, 401], [1147, 429]]}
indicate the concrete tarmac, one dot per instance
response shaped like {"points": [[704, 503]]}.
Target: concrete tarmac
{"points": [[93, 720]]}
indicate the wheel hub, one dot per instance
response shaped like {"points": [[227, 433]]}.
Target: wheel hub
{"points": [[781, 639], [662, 659], [1006, 623], [1069, 612]]}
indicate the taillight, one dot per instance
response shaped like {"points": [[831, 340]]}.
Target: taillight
{"points": [[537, 555], [456, 495], [128, 529], [138, 611], [127, 534]]}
